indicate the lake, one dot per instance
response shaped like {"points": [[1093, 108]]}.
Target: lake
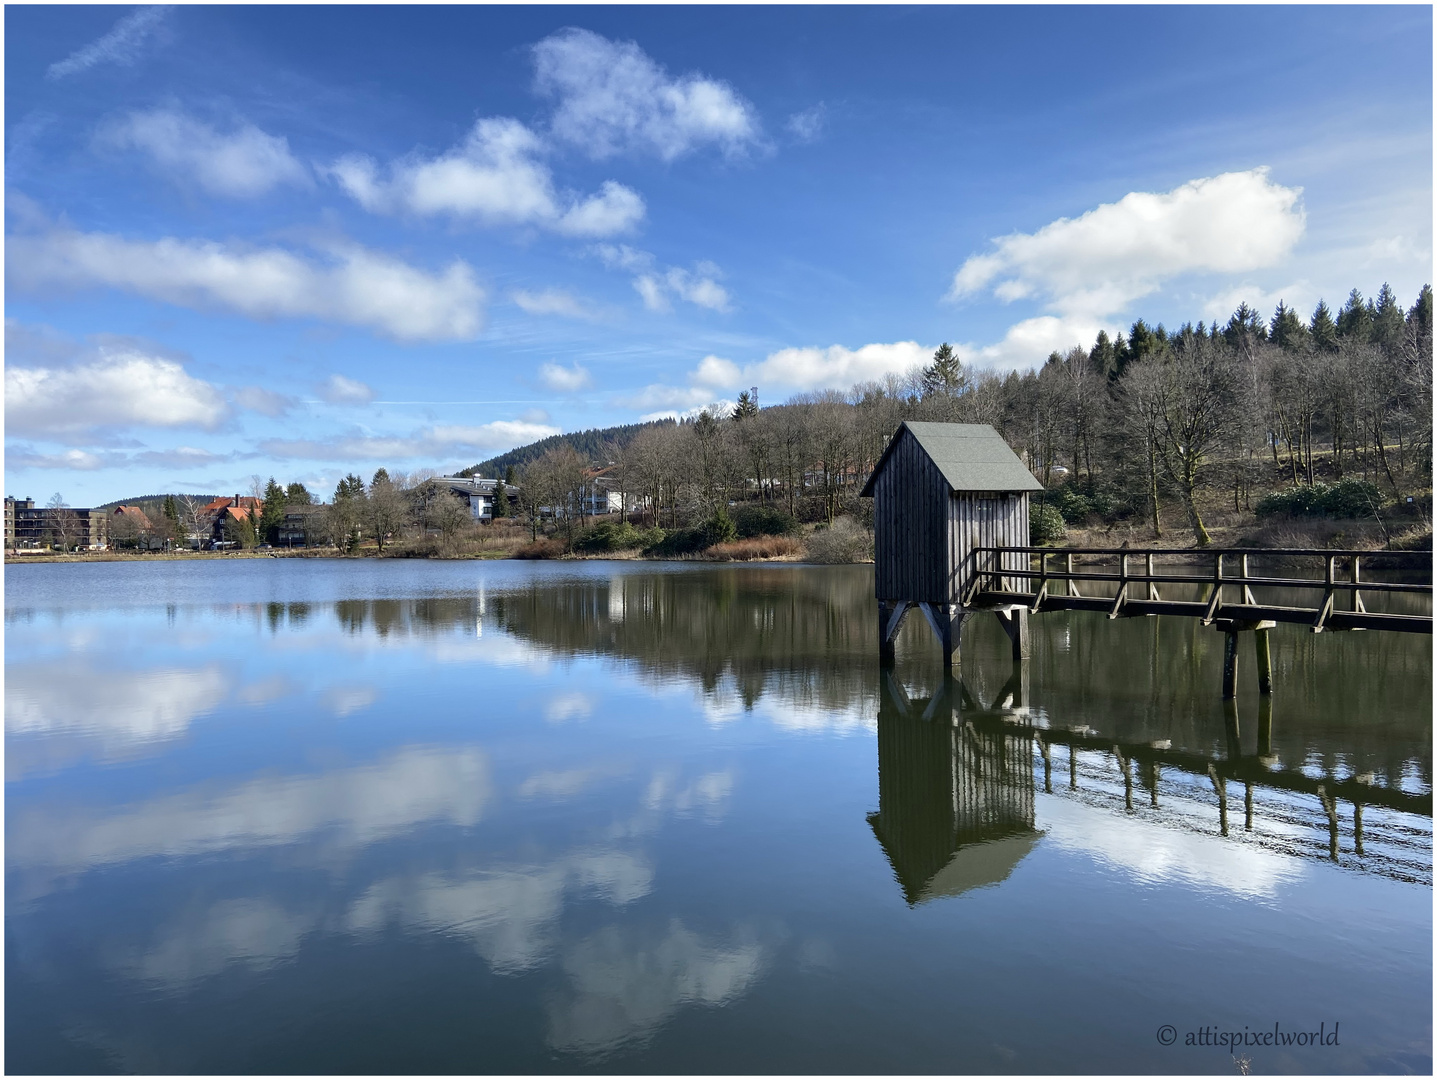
{"points": [[430, 817]]}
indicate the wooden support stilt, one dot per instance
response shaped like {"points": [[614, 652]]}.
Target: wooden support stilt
{"points": [[1126, 765], [1264, 727], [947, 623], [1264, 661], [1232, 729], [1247, 808], [1357, 826], [1229, 667], [1153, 774], [1329, 804], [1219, 784], [1015, 624], [1072, 767], [1047, 752], [890, 621]]}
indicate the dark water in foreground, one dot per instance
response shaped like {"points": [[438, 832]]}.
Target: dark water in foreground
{"points": [[283, 816]]}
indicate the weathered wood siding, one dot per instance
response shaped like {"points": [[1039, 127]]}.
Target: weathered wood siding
{"points": [[910, 527], [982, 519]]}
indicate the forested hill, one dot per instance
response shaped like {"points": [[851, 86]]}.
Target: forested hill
{"points": [[152, 505], [591, 444]]}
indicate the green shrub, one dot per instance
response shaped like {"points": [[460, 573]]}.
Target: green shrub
{"points": [[610, 536], [757, 519], [1350, 498], [677, 542], [1045, 524]]}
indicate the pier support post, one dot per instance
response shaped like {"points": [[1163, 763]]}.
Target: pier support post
{"points": [[947, 623], [1232, 728], [1264, 729], [1219, 784], [1229, 667], [890, 619], [1264, 661], [1015, 625]]}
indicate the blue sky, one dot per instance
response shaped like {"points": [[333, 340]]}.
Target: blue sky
{"points": [[300, 242]]}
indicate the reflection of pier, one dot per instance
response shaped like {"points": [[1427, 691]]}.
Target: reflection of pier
{"points": [[956, 791], [955, 804]]}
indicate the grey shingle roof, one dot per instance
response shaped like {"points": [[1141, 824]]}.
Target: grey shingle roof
{"points": [[971, 457]]}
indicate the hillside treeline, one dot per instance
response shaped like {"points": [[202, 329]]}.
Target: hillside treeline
{"points": [[1195, 416]]}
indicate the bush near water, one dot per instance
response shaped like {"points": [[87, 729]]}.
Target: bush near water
{"points": [[1348, 498]]}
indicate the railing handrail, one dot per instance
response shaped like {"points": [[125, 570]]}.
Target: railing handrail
{"points": [[1343, 553], [1192, 579]]}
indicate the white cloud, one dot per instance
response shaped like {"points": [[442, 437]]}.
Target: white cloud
{"points": [[698, 287], [613, 99], [338, 390], [624, 986], [665, 398], [1097, 264], [807, 126], [718, 409], [240, 164], [553, 302], [836, 367], [717, 372], [565, 380], [494, 177], [1302, 296], [622, 257], [509, 916], [438, 441], [120, 46], [113, 707], [254, 932], [353, 286], [574, 705], [265, 402], [118, 387], [353, 807], [1029, 342], [351, 697], [82, 460], [179, 457]]}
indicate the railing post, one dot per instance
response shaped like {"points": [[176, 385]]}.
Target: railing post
{"points": [[1152, 586], [1356, 577], [1215, 600]]}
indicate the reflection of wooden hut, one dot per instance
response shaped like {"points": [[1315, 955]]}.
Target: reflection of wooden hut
{"points": [[955, 805], [939, 492]]}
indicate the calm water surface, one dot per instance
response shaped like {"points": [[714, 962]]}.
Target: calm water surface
{"points": [[285, 816]]}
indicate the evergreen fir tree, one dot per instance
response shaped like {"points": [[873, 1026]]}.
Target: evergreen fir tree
{"points": [[945, 375], [501, 501], [1355, 318], [746, 406], [1322, 328], [1103, 358], [1419, 317], [1144, 341], [271, 515], [1287, 329], [1387, 319]]}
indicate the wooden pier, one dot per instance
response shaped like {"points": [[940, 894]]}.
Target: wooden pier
{"points": [[1079, 579]]}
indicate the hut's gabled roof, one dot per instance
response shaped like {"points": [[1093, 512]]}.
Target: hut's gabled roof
{"points": [[971, 457]]}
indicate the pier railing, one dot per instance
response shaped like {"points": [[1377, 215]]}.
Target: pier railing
{"points": [[1223, 577]]}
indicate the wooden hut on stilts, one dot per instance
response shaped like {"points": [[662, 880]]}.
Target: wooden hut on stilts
{"points": [[942, 493]]}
